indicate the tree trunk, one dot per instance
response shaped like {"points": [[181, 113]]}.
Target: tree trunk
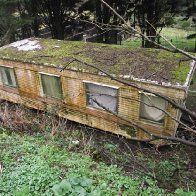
{"points": [[58, 26], [151, 23], [35, 27], [99, 20]]}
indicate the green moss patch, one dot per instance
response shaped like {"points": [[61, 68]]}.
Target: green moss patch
{"points": [[180, 74]]}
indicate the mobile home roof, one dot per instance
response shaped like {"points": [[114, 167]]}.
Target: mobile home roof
{"points": [[141, 64]]}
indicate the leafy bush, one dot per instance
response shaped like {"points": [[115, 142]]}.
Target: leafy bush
{"points": [[180, 192], [165, 169], [36, 166], [75, 186]]}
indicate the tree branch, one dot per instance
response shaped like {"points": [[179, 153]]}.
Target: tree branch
{"points": [[129, 27], [172, 102], [152, 135]]}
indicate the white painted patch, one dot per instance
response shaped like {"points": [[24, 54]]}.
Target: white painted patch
{"points": [[100, 84], [25, 45], [48, 74]]}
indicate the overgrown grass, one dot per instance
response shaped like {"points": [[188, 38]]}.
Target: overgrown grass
{"points": [[36, 166], [174, 32], [176, 36], [46, 155]]}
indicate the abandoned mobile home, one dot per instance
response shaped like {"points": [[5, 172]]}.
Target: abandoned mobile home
{"points": [[41, 74]]}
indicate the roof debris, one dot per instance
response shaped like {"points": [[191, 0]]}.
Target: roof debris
{"points": [[25, 45]]}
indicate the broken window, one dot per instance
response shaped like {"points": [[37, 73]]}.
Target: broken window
{"points": [[51, 86], [106, 96], [148, 112], [8, 76]]}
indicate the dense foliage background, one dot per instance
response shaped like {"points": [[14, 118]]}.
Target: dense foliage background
{"points": [[71, 19]]}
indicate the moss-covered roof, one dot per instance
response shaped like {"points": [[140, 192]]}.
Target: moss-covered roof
{"points": [[148, 64]]}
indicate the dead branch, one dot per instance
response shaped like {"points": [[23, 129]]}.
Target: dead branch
{"points": [[128, 83], [140, 168], [168, 114], [152, 135], [172, 45], [128, 27], [186, 127]]}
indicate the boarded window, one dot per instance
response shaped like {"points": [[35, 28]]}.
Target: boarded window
{"points": [[151, 113], [104, 95], [51, 86], [8, 76]]}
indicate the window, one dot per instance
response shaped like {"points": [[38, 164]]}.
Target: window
{"points": [[8, 76], [51, 86], [104, 95], [147, 112]]}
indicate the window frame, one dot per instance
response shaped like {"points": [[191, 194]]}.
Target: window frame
{"points": [[161, 124], [41, 85], [15, 78], [102, 85]]}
